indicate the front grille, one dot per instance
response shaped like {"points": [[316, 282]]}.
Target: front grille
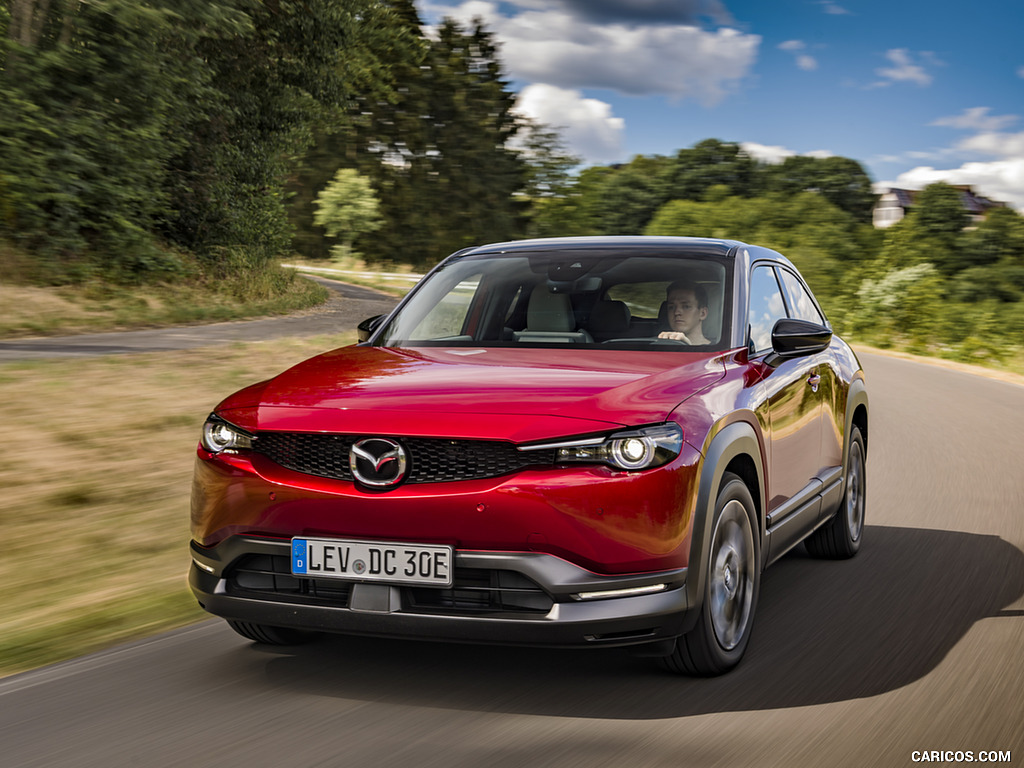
{"points": [[482, 591], [254, 575], [474, 591], [431, 460]]}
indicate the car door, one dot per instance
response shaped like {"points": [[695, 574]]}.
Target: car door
{"points": [[790, 416], [830, 390]]}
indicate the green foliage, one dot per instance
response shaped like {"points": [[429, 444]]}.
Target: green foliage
{"points": [[624, 199], [441, 152], [548, 179], [939, 213], [631, 195], [709, 163], [130, 123], [272, 85], [89, 96], [823, 241], [900, 304], [579, 209], [347, 208], [548, 161], [840, 180]]}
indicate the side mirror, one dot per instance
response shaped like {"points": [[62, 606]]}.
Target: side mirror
{"points": [[798, 338], [366, 328]]}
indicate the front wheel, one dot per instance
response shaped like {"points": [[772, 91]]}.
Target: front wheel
{"points": [[731, 585]]}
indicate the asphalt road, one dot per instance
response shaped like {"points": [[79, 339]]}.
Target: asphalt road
{"points": [[915, 644]]}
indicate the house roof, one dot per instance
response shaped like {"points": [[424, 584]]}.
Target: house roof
{"points": [[971, 201]]}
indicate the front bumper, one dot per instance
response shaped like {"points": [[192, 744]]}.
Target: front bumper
{"points": [[515, 598]]}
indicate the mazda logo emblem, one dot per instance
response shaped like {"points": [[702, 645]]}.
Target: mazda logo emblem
{"points": [[377, 462]]}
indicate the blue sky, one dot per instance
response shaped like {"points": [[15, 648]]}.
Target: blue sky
{"points": [[916, 90]]}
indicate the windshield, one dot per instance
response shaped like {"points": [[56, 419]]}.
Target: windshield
{"points": [[569, 299]]}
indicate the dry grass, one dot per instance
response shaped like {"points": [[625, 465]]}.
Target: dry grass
{"points": [[96, 466], [39, 311]]}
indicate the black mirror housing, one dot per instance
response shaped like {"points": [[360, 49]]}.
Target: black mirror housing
{"points": [[366, 328], [798, 338]]}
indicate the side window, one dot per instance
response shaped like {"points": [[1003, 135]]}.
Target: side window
{"points": [[448, 317], [801, 304], [766, 307]]}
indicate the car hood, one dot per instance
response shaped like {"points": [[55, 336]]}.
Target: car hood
{"points": [[474, 393]]}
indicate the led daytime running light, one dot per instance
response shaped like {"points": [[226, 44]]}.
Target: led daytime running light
{"points": [[632, 450], [627, 592]]}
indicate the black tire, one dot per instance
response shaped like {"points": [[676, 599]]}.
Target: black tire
{"points": [[261, 633], [839, 539], [732, 582]]}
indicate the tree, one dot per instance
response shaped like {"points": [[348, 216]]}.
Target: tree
{"points": [[938, 219], [270, 88], [381, 58], [993, 255], [95, 96], [631, 195], [999, 239], [840, 180], [547, 159], [708, 163], [441, 153], [903, 303], [346, 208], [580, 209], [547, 175], [131, 123]]}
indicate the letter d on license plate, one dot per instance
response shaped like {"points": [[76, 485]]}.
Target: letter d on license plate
{"points": [[383, 561]]}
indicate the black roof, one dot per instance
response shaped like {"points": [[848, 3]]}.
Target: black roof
{"points": [[695, 245]]}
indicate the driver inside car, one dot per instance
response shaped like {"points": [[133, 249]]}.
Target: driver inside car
{"points": [[686, 308]]}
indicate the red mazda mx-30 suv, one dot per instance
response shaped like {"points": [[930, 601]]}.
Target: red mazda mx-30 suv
{"points": [[584, 442]]}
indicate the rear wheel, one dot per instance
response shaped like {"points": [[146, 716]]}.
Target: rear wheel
{"points": [[731, 585], [839, 538], [261, 633]]}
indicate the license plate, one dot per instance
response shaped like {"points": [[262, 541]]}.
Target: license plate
{"points": [[382, 561]]}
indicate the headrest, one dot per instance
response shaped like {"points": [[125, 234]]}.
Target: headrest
{"points": [[549, 311], [609, 317]]}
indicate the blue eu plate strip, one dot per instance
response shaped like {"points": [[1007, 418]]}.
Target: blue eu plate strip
{"points": [[299, 556]]}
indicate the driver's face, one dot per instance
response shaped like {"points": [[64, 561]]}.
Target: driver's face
{"points": [[683, 313]]}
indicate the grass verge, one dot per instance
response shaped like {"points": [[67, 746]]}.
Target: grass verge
{"points": [[96, 468], [27, 310]]}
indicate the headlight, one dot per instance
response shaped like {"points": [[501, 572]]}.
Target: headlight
{"points": [[632, 450], [220, 435]]}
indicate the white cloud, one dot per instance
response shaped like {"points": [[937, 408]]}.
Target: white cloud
{"points": [[587, 126], [1001, 180], [807, 63], [1020, 72], [833, 9], [553, 46], [645, 11], [977, 119], [804, 61], [904, 69], [1005, 145], [775, 154]]}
